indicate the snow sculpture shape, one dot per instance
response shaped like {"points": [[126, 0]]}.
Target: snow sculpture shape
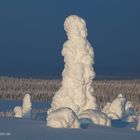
{"points": [[116, 108], [76, 91], [18, 112], [129, 115], [63, 118], [25, 110], [138, 125], [96, 116], [26, 107]]}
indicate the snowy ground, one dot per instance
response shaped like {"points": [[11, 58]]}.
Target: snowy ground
{"points": [[26, 129], [22, 129]]}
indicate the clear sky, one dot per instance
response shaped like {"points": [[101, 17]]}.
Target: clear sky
{"points": [[32, 35]]}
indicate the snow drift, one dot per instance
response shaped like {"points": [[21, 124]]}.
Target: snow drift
{"points": [[63, 118], [96, 116]]}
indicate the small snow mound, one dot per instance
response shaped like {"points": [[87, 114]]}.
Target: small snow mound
{"points": [[96, 117], [26, 107], [18, 112], [116, 109], [63, 118]]}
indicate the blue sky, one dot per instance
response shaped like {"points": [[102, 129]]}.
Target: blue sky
{"points": [[32, 36]]}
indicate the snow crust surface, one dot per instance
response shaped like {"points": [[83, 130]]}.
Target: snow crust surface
{"points": [[26, 129]]}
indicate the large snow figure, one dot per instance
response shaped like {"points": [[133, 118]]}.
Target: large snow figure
{"points": [[25, 110], [76, 91]]}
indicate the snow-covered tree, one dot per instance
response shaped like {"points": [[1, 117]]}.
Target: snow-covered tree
{"points": [[76, 91], [116, 109], [27, 106], [25, 110], [18, 112]]}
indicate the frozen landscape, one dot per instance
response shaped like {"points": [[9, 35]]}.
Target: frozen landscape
{"points": [[75, 110]]}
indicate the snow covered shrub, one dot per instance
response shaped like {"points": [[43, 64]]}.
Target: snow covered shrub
{"points": [[96, 116], [25, 110], [18, 112], [26, 107], [129, 114], [116, 109], [76, 91], [63, 118]]}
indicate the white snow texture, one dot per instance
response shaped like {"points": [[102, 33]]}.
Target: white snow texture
{"points": [[18, 112], [76, 91], [25, 110], [63, 118], [116, 109], [96, 116]]}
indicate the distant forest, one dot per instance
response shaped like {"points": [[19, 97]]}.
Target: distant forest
{"points": [[44, 90]]}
